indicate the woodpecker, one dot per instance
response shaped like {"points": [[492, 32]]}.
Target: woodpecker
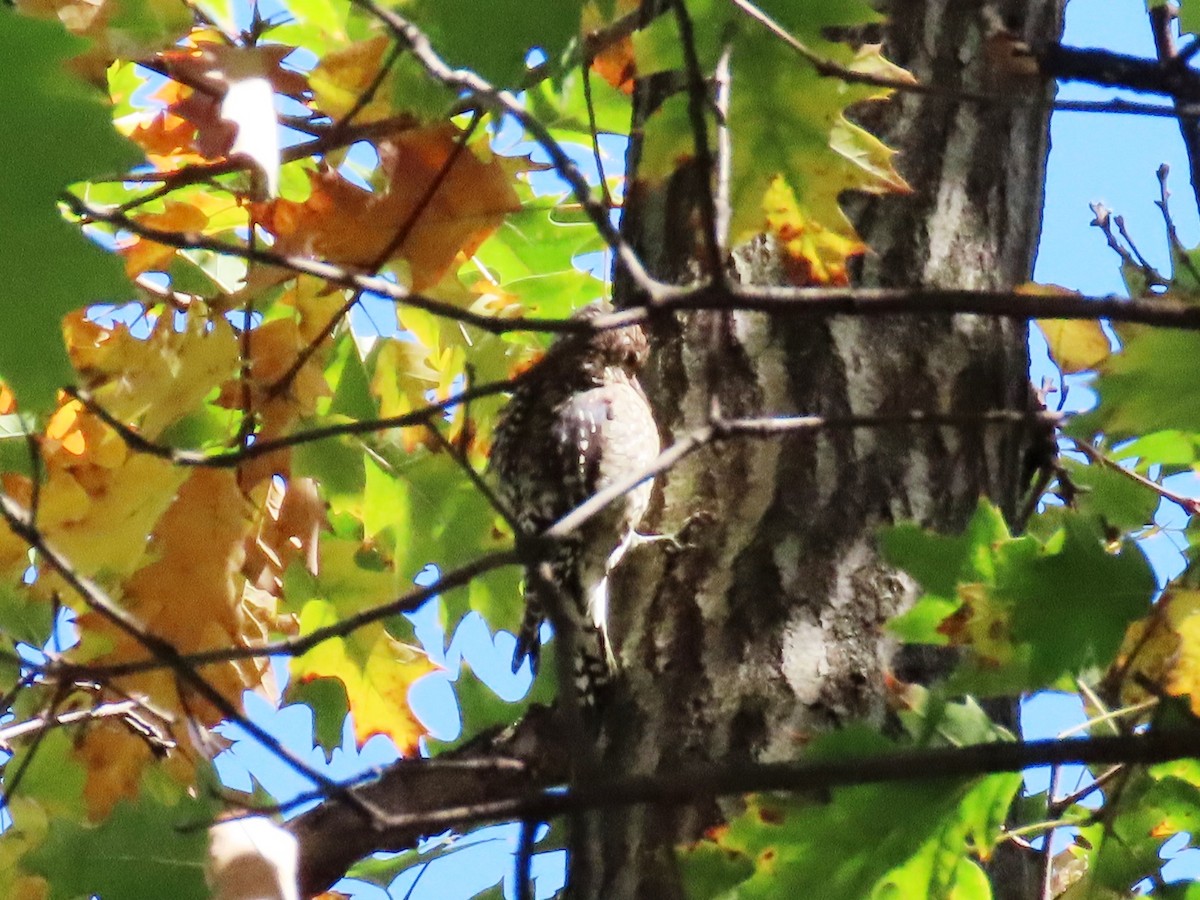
{"points": [[577, 423]]}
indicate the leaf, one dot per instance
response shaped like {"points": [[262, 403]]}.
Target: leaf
{"points": [[154, 381], [1076, 345], [895, 840], [1189, 17], [326, 697], [1152, 364], [55, 120], [813, 254], [343, 76], [1032, 612], [110, 859], [791, 128], [113, 28], [22, 617], [1163, 649], [1114, 500], [496, 45], [376, 669], [345, 224]]}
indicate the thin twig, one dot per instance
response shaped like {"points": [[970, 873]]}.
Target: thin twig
{"points": [[416, 41], [1189, 505], [523, 863], [99, 602]]}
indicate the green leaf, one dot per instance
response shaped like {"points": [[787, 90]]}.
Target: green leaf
{"points": [[532, 255], [1189, 16], [1032, 612], [1073, 603], [111, 859], [712, 871], [895, 840], [338, 464], [930, 719], [496, 44], [1111, 500], [941, 562], [63, 132], [792, 127], [453, 523], [1153, 364], [330, 706], [23, 617]]}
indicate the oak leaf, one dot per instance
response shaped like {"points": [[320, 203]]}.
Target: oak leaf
{"points": [[349, 225]]}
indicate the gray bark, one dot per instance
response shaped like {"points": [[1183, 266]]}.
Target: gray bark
{"points": [[766, 628]]}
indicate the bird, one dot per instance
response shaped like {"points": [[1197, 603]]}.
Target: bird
{"points": [[578, 422]]}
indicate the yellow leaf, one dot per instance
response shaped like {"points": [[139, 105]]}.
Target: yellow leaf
{"points": [[100, 519], [404, 371], [155, 382], [1163, 649], [1076, 345], [377, 672], [814, 254], [376, 669], [342, 77]]}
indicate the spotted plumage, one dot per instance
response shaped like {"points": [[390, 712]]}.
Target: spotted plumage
{"points": [[576, 424]]}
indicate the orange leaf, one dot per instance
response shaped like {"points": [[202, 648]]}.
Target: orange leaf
{"points": [[349, 225], [113, 757], [615, 62], [189, 592], [143, 255]]}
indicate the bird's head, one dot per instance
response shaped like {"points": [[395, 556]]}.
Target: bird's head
{"points": [[626, 347]]}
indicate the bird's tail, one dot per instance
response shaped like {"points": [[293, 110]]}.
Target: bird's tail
{"points": [[593, 670]]}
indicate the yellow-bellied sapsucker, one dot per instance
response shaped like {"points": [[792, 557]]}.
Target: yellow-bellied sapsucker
{"points": [[577, 423]]}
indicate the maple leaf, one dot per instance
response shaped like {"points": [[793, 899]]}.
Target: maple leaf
{"points": [[813, 254], [792, 128], [156, 381], [188, 591], [346, 224], [376, 669]]}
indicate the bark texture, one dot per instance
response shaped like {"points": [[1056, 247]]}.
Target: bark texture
{"points": [[766, 628]]}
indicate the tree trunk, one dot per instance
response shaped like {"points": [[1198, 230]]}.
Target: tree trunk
{"points": [[766, 628]]}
